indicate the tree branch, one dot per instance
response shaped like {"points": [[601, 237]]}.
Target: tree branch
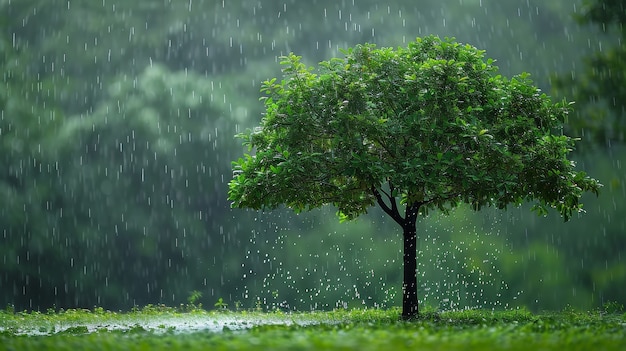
{"points": [[391, 211], [392, 199]]}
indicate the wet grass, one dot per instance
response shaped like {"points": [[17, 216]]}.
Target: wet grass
{"points": [[165, 329]]}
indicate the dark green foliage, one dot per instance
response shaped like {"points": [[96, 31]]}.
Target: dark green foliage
{"points": [[27, 176], [599, 89], [124, 181], [603, 12]]}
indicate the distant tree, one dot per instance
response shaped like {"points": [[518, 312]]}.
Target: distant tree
{"points": [[28, 179], [137, 166], [600, 88], [414, 129]]}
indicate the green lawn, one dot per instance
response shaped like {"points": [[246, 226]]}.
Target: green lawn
{"points": [[159, 328]]}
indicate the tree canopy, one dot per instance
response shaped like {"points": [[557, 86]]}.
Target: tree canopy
{"points": [[430, 124]]}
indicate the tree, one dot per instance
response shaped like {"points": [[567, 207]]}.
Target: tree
{"points": [[28, 175], [425, 127], [135, 188], [600, 88]]}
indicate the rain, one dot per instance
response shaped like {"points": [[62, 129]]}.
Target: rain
{"points": [[117, 133]]}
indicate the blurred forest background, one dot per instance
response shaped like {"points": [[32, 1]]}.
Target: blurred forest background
{"points": [[116, 136]]}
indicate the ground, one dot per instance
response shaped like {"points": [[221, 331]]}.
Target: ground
{"points": [[160, 328]]}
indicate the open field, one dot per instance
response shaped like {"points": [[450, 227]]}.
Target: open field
{"points": [[162, 328]]}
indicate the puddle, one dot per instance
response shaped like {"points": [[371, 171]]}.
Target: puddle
{"points": [[176, 323]]}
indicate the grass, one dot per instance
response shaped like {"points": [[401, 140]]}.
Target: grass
{"points": [[162, 328]]}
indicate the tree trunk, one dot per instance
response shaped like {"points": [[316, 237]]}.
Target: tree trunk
{"points": [[410, 306]]}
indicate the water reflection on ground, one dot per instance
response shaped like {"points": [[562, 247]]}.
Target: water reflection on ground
{"points": [[168, 323]]}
